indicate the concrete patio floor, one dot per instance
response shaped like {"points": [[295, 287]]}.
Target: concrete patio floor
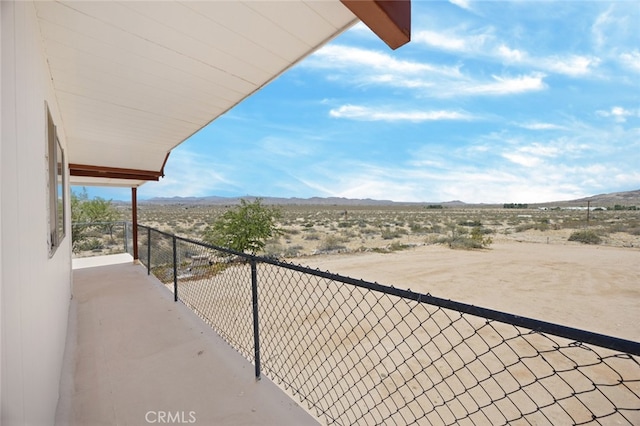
{"points": [[135, 357]]}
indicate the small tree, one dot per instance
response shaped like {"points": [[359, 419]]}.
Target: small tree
{"points": [[79, 218], [245, 228], [100, 210], [86, 212]]}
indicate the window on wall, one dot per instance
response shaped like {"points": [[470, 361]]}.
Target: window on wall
{"points": [[56, 183]]}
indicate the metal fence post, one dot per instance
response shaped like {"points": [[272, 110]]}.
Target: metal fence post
{"points": [[148, 251], [256, 335], [175, 270]]}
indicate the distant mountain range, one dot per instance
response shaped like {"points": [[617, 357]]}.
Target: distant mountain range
{"points": [[627, 198], [623, 198], [315, 201]]}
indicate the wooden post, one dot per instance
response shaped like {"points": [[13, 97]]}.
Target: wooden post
{"points": [[134, 221]]}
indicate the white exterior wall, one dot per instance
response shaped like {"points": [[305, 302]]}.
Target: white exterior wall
{"points": [[34, 288]]}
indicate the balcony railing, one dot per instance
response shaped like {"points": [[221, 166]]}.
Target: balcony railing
{"points": [[99, 238], [357, 352]]}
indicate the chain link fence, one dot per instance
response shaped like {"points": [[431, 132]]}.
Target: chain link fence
{"points": [[356, 352]]}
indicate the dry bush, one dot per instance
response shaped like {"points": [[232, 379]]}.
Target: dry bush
{"points": [[586, 236]]}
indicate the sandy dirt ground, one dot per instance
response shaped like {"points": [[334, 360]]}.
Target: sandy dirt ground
{"points": [[593, 288], [365, 359]]}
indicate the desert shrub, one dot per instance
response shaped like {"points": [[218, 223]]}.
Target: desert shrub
{"points": [[380, 250], [573, 223], [470, 223], [542, 226], [348, 234], [312, 236], [477, 236], [435, 229], [368, 231], [416, 227], [539, 226], [90, 244], [290, 231], [346, 224], [485, 231], [460, 238], [273, 240], [293, 251], [331, 243], [630, 227], [389, 233], [273, 249], [586, 236], [397, 246]]}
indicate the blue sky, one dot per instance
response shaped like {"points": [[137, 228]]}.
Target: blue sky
{"points": [[522, 101]]}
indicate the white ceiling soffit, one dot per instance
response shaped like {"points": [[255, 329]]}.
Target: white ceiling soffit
{"points": [[134, 79]]}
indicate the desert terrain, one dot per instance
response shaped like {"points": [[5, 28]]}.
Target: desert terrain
{"points": [[528, 267], [583, 286], [318, 336]]}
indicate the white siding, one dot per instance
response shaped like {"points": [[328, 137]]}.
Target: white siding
{"points": [[35, 289], [1, 165]]}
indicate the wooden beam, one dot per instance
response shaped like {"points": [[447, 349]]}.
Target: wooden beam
{"points": [[85, 170], [388, 19]]}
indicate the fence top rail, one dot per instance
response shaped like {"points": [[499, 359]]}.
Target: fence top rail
{"points": [[575, 334]]}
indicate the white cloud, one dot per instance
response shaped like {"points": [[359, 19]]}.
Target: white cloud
{"points": [[463, 4], [572, 65], [378, 188], [600, 27], [365, 66], [530, 182], [619, 114], [363, 113], [541, 126], [631, 60], [187, 174], [617, 26], [512, 55], [541, 150], [503, 85], [339, 56], [487, 45], [453, 42], [522, 159]]}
